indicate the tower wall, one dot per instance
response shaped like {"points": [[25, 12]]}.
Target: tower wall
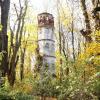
{"points": [[46, 40]]}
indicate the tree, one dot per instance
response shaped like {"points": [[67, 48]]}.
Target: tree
{"points": [[5, 5], [88, 30], [14, 46], [96, 15]]}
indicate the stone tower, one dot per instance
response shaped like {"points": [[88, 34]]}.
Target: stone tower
{"points": [[46, 40]]}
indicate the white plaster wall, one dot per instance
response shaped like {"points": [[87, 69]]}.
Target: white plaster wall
{"points": [[49, 59], [47, 47], [41, 34], [46, 33], [40, 43]]}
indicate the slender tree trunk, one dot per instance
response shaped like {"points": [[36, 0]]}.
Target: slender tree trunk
{"points": [[60, 41], [23, 51], [73, 47], [22, 63], [79, 45], [63, 47]]}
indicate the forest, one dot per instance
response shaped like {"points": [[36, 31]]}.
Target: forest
{"points": [[49, 49]]}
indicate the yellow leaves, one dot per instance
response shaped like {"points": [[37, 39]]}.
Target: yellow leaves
{"points": [[30, 38], [96, 61], [58, 56], [65, 16], [97, 33], [92, 49], [31, 47], [97, 36], [22, 87], [65, 21], [31, 29], [90, 59], [0, 27], [27, 88]]}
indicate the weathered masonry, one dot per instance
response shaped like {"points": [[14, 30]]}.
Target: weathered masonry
{"points": [[46, 40]]}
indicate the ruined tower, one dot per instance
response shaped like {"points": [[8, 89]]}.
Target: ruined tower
{"points": [[46, 40]]}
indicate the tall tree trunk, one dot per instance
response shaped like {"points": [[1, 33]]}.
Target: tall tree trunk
{"points": [[96, 14], [23, 51], [60, 41], [72, 31], [22, 63], [87, 21], [5, 5]]}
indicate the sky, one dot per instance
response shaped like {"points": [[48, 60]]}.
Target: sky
{"points": [[50, 6], [36, 6], [43, 5], [40, 5]]}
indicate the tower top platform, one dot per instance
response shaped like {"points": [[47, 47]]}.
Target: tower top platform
{"points": [[45, 20]]}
